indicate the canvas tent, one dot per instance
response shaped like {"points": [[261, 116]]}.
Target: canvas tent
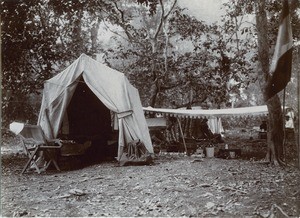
{"points": [[213, 115], [80, 99]]}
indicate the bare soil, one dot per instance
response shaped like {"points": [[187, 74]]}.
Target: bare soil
{"points": [[175, 185]]}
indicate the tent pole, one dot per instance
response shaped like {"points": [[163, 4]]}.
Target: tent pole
{"points": [[179, 124], [284, 130]]}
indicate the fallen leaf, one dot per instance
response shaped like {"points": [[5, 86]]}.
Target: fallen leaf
{"points": [[207, 194], [209, 205], [77, 192]]}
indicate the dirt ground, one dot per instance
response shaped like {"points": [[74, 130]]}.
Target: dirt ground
{"points": [[175, 185]]}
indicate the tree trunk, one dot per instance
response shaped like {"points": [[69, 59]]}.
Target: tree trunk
{"points": [[158, 78], [153, 93], [94, 35], [275, 120], [275, 131]]}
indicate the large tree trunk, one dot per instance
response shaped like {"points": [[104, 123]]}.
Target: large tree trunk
{"points": [[275, 131], [275, 120]]}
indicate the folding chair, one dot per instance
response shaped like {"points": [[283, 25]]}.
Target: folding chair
{"points": [[36, 146]]}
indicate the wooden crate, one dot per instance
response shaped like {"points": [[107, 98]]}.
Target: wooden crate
{"points": [[70, 148]]}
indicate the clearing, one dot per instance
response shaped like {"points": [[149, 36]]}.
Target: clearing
{"points": [[176, 185]]}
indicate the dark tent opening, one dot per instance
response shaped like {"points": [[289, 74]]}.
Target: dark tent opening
{"points": [[89, 120]]}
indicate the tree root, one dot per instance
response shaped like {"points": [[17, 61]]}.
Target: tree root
{"points": [[271, 212], [281, 162], [275, 161], [280, 209]]}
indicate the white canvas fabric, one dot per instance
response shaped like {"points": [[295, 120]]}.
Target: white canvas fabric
{"points": [[215, 125], [110, 86], [202, 113], [16, 127], [211, 113]]}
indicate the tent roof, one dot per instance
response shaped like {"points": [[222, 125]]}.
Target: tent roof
{"points": [[198, 113]]}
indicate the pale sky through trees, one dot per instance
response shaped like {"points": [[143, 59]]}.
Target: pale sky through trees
{"points": [[206, 10]]}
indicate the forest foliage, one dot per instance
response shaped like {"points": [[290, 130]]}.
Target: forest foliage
{"points": [[172, 58]]}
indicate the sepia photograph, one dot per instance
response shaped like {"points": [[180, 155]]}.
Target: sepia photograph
{"points": [[150, 108]]}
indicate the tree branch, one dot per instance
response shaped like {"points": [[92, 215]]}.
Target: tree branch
{"points": [[161, 20], [171, 9]]}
